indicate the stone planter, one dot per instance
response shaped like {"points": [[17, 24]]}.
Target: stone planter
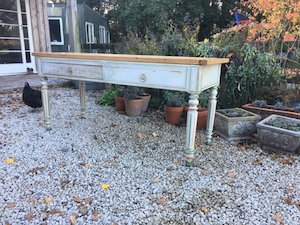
{"points": [[279, 139], [235, 127], [269, 110]]}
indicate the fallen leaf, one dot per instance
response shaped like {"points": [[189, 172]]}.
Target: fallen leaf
{"points": [[10, 205], [288, 201], [162, 201], [95, 215], [86, 165], [242, 147], [77, 200], [32, 199], [204, 209], [140, 135], [73, 219], [154, 180], [87, 201], [290, 189], [113, 124], [6, 223], [154, 134], [9, 160], [55, 211], [288, 161], [257, 162], [29, 216], [231, 174], [105, 186], [278, 217], [48, 200]]}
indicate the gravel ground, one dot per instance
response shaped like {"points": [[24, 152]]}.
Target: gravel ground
{"points": [[112, 169]]}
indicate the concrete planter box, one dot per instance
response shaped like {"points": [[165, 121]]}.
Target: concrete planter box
{"points": [[279, 139], [235, 128]]}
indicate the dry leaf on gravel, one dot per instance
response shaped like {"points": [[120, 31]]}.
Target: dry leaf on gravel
{"points": [[231, 174], [29, 216], [48, 200], [154, 180], [55, 211], [95, 215], [77, 200], [140, 135], [288, 161], [83, 210], [288, 201], [105, 186], [242, 148], [72, 219], [162, 201], [10, 205], [32, 199], [204, 209], [278, 217], [257, 162], [9, 160], [113, 124]]}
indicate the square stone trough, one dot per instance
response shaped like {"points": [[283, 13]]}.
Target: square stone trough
{"points": [[279, 139], [236, 128]]}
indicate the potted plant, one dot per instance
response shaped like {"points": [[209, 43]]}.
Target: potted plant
{"points": [[279, 133], [146, 98], [262, 108], [119, 99], [173, 108], [235, 123], [133, 103]]}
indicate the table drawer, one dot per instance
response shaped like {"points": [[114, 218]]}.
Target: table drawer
{"points": [[148, 75], [73, 70]]}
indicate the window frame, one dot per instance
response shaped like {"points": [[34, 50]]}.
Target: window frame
{"points": [[90, 38], [102, 30], [62, 42]]}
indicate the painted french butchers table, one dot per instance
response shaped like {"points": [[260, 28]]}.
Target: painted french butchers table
{"points": [[188, 74]]}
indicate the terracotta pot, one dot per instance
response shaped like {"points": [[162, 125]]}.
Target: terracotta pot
{"points": [[173, 114], [133, 106], [264, 112], [146, 99], [119, 103], [202, 117]]}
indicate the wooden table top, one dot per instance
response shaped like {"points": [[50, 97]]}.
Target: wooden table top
{"points": [[135, 58]]}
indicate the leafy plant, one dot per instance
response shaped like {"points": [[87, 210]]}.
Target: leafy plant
{"points": [[174, 98], [131, 92], [284, 124], [120, 90], [260, 103], [280, 106], [234, 112], [107, 98]]}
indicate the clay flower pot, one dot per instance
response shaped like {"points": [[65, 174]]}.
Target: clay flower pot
{"points": [[173, 114], [119, 103], [133, 106], [202, 117], [146, 99]]}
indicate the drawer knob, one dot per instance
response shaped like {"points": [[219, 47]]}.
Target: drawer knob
{"points": [[143, 78], [69, 70]]}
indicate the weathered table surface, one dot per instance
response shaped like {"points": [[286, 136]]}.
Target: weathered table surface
{"points": [[189, 74]]}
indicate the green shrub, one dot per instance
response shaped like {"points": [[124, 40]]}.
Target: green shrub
{"points": [[108, 97], [174, 98]]}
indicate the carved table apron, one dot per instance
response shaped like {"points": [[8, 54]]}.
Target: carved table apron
{"points": [[188, 74]]}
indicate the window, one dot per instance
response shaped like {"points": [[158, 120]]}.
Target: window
{"points": [[102, 35], [89, 33], [56, 31]]}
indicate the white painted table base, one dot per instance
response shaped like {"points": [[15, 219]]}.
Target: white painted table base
{"points": [[189, 74]]}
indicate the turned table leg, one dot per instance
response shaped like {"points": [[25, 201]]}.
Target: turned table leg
{"points": [[212, 104], [82, 98], [191, 127], [45, 100]]}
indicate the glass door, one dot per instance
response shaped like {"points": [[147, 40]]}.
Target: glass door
{"points": [[15, 37]]}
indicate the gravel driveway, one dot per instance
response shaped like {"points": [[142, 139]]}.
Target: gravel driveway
{"points": [[112, 169]]}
